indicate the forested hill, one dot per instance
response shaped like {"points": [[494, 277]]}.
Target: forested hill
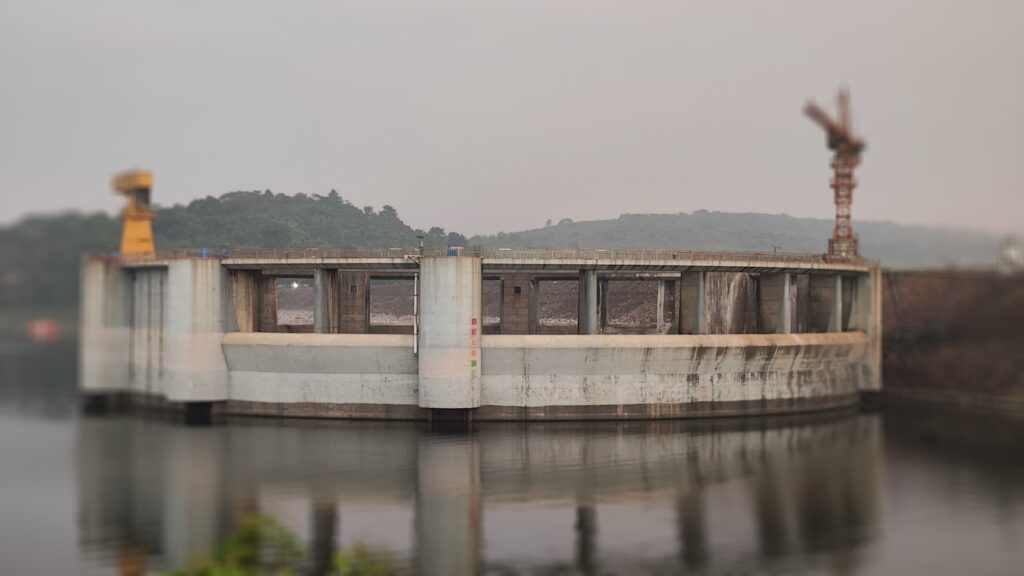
{"points": [[39, 256], [894, 244], [267, 220]]}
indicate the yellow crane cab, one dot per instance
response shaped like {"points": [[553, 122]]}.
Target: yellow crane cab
{"points": [[137, 236]]}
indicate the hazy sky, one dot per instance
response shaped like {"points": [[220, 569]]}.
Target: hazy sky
{"points": [[490, 115]]}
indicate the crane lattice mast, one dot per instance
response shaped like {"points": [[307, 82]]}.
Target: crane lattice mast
{"points": [[846, 156]]}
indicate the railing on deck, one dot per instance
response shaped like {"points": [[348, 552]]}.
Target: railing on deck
{"points": [[322, 253], [542, 254], [510, 254], [638, 254]]}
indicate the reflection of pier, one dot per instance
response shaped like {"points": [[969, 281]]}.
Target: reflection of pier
{"points": [[637, 498]]}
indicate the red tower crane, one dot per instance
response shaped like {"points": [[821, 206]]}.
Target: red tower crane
{"points": [[846, 148]]}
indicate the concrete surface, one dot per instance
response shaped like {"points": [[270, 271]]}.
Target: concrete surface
{"points": [[187, 330], [451, 326]]}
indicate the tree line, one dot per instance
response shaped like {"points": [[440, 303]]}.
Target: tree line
{"points": [[39, 256]]}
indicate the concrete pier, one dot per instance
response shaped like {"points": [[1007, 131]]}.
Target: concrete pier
{"points": [[566, 335], [450, 362], [694, 317], [156, 329], [589, 319]]}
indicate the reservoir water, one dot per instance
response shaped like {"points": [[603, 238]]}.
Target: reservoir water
{"points": [[895, 491]]}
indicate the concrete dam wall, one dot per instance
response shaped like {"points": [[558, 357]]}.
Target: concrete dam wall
{"points": [[955, 337], [726, 337]]}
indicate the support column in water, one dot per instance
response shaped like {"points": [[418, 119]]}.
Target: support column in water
{"points": [[450, 332]]}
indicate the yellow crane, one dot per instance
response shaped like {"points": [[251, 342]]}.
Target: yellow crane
{"points": [[137, 236]]}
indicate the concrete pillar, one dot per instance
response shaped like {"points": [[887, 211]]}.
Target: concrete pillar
{"points": [[786, 323], [325, 303], [319, 302], [197, 310], [589, 317], [661, 324], [821, 297], [700, 316], [104, 331], [245, 297], [333, 302], [865, 315], [671, 307], [801, 301], [160, 333], [515, 305], [148, 315], [353, 302], [450, 331], [268, 304], [775, 303], [860, 307], [692, 313], [533, 307], [874, 327], [835, 321]]}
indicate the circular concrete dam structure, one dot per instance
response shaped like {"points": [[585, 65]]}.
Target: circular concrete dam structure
{"points": [[485, 334]]}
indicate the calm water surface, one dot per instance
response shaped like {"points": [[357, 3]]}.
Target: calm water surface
{"points": [[901, 492]]}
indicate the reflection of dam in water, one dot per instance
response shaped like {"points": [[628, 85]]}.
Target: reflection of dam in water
{"points": [[637, 497]]}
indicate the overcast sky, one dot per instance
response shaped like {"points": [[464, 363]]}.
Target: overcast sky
{"points": [[489, 115]]}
